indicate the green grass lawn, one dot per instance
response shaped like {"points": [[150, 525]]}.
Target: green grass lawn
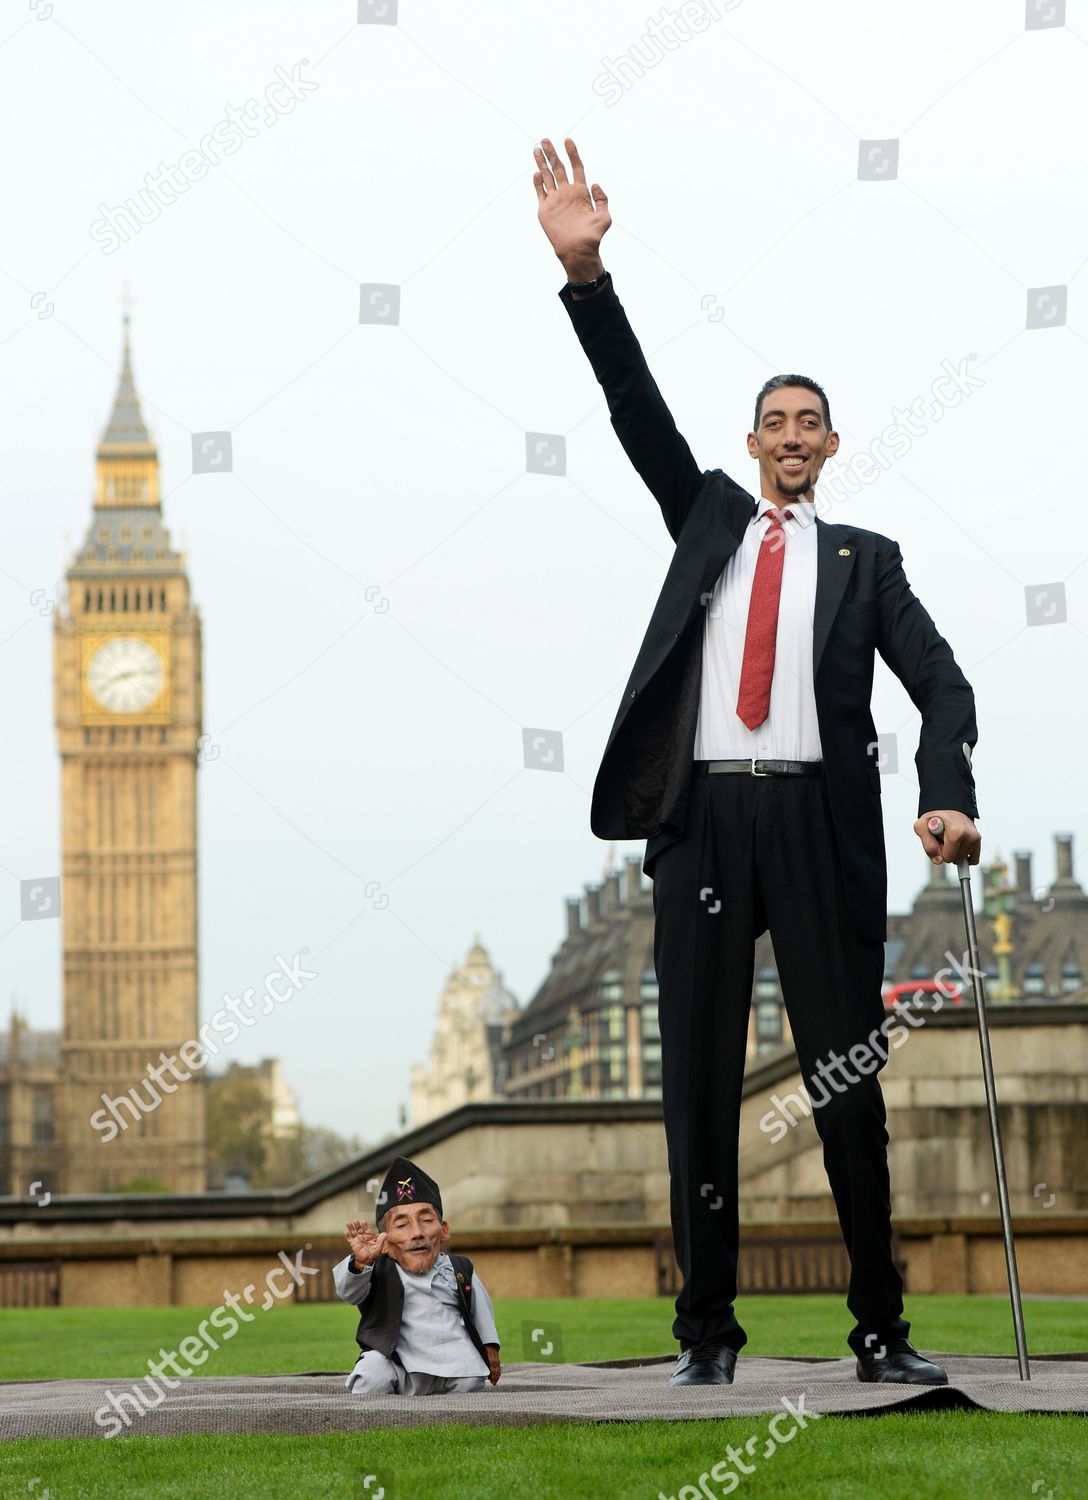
{"points": [[42, 1343], [938, 1455], [934, 1456]]}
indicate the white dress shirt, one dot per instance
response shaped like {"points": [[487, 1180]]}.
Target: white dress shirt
{"points": [[433, 1337], [790, 731]]}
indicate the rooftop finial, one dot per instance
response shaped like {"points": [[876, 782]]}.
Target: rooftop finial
{"points": [[126, 426]]}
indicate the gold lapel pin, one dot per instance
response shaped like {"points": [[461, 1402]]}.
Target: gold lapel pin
{"points": [[844, 551]]}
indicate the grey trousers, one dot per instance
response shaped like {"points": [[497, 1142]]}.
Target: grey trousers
{"points": [[375, 1375]]}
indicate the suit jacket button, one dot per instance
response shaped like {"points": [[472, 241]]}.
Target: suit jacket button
{"points": [[633, 692]]}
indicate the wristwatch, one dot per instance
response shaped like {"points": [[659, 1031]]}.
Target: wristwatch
{"points": [[588, 286]]}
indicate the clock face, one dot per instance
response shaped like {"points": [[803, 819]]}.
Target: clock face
{"points": [[125, 675]]}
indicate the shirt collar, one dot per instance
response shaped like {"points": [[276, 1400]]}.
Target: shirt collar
{"points": [[803, 512]]}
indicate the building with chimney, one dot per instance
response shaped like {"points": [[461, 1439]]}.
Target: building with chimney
{"points": [[591, 1031]]}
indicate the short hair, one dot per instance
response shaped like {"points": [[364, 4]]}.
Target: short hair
{"points": [[776, 383]]}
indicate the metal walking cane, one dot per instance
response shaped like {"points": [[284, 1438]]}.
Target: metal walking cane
{"points": [[936, 827]]}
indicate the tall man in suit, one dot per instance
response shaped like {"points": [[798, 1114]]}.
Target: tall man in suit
{"points": [[743, 751]]}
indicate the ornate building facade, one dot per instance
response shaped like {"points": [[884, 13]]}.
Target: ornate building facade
{"points": [[466, 1061], [591, 1029], [127, 677]]}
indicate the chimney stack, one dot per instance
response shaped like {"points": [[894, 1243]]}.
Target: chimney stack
{"points": [[593, 904], [634, 876], [1065, 890], [938, 888], [574, 915], [1023, 874], [610, 893]]}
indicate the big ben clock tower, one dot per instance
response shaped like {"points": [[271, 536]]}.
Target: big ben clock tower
{"points": [[128, 713]]}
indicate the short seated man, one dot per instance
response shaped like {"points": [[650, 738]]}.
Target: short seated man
{"points": [[426, 1324]]}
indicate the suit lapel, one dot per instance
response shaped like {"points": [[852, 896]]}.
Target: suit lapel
{"points": [[834, 563]]}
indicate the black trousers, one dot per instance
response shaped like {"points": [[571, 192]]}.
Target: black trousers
{"points": [[760, 853]]}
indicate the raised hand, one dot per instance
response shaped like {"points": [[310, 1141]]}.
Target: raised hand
{"points": [[366, 1246], [572, 215]]}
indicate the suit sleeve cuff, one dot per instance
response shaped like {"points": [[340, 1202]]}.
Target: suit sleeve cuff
{"points": [[590, 312]]}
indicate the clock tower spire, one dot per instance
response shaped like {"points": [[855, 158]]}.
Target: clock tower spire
{"points": [[127, 681], [127, 468]]}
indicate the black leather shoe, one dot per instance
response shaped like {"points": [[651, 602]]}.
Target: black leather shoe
{"points": [[899, 1362], [709, 1363]]}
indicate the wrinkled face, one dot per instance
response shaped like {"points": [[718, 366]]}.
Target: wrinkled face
{"points": [[791, 443], [415, 1235]]}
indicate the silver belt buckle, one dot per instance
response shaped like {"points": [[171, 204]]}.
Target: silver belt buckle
{"points": [[753, 759]]}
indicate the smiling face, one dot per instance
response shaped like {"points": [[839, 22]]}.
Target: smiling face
{"points": [[791, 443], [415, 1235]]}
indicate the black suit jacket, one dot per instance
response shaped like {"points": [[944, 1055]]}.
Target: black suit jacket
{"points": [[863, 605]]}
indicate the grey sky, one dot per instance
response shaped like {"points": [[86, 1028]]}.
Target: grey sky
{"points": [[361, 741]]}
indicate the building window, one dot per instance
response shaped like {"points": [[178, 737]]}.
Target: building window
{"points": [[4, 1126], [610, 987], [893, 950], [767, 985], [1034, 980], [651, 1031], [613, 1069], [651, 1068], [42, 1118], [1072, 978], [920, 971], [647, 989], [768, 1024]]}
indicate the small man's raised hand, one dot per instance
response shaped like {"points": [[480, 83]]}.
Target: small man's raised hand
{"points": [[366, 1246]]}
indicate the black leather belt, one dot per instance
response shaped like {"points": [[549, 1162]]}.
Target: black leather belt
{"points": [[762, 767]]}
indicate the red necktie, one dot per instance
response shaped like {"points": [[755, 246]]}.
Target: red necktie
{"points": [[757, 669]]}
